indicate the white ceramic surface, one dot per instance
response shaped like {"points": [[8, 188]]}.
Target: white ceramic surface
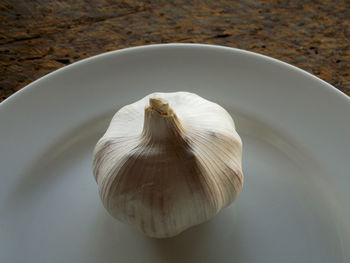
{"points": [[295, 206]]}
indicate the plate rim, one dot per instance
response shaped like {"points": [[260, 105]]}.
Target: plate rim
{"points": [[333, 90]]}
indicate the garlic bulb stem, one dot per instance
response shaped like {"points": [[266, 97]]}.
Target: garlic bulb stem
{"points": [[160, 105], [161, 123]]}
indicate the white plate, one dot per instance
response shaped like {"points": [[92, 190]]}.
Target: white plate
{"points": [[295, 130]]}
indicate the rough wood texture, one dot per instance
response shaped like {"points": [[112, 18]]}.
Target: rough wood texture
{"points": [[37, 37]]}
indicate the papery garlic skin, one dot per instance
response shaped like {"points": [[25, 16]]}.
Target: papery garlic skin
{"points": [[168, 162]]}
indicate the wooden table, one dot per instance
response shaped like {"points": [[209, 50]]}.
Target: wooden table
{"points": [[37, 37]]}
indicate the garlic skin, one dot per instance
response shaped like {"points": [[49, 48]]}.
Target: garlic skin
{"points": [[168, 162]]}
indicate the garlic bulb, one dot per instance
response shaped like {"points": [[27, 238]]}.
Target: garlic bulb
{"points": [[168, 162]]}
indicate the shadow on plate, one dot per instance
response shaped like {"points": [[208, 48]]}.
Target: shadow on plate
{"points": [[218, 240]]}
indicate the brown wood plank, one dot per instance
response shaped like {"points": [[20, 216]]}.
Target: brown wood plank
{"points": [[37, 37]]}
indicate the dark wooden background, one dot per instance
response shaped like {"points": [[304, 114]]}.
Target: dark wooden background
{"points": [[37, 37]]}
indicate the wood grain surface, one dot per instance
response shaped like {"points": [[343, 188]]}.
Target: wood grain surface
{"points": [[37, 37]]}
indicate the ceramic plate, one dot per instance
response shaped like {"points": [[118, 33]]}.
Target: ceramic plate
{"points": [[295, 129]]}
